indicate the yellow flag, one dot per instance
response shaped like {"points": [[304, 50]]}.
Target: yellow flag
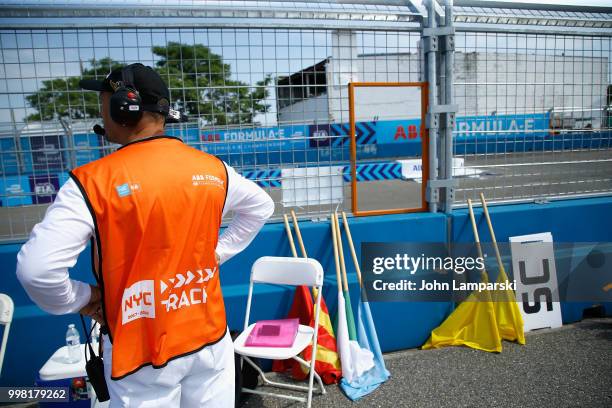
{"points": [[472, 324], [509, 319]]}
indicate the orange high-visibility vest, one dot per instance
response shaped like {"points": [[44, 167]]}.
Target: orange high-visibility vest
{"points": [[157, 206]]}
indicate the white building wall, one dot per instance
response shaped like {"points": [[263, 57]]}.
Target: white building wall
{"points": [[342, 68], [311, 110], [485, 84], [529, 83]]}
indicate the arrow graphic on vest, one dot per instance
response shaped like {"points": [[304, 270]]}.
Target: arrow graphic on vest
{"points": [[190, 277], [181, 280], [209, 274], [184, 280]]}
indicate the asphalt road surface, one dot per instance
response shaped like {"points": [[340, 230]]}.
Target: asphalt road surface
{"points": [[566, 367]]}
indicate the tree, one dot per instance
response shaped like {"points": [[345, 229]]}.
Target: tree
{"points": [[62, 97], [200, 84]]}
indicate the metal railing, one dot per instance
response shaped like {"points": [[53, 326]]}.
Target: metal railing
{"points": [[519, 99], [533, 118]]}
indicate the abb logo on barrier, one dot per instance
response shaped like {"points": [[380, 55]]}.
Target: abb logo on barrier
{"points": [[138, 301], [400, 133]]}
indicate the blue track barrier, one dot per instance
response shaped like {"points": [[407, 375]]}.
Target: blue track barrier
{"points": [[36, 334]]}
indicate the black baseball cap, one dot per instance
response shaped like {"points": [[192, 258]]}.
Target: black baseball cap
{"points": [[153, 91]]}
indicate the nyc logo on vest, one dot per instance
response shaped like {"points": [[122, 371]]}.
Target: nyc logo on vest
{"points": [[138, 301]]}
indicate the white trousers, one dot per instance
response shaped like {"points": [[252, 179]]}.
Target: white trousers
{"points": [[202, 379]]}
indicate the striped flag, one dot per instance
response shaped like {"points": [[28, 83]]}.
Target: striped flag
{"points": [[327, 361], [367, 338], [355, 360], [350, 319]]}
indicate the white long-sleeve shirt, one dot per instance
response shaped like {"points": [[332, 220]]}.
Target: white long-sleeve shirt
{"points": [[56, 242]]}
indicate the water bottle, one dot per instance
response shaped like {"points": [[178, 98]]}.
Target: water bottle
{"points": [[73, 342], [95, 334]]}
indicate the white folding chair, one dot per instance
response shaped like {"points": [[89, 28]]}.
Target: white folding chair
{"points": [[6, 317], [285, 271]]}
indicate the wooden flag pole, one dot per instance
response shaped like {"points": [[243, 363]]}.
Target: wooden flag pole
{"points": [[290, 236], [351, 246], [488, 218], [341, 254], [335, 242], [476, 237], [298, 234]]}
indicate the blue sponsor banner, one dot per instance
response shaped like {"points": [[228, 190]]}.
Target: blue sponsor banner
{"points": [[87, 148], [9, 163], [43, 153], [255, 140], [406, 131], [375, 139], [44, 187], [15, 191], [305, 143], [522, 125]]}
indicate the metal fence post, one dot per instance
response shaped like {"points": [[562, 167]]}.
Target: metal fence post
{"points": [[430, 46], [439, 42], [67, 125], [448, 51]]}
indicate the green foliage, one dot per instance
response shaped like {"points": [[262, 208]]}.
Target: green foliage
{"points": [[200, 84], [62, 97]]}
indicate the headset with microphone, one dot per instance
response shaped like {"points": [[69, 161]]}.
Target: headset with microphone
{"points": [[126, 105], [99, 130], [125, 102]]}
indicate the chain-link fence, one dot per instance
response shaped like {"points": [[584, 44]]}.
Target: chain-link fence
{"points": [[271, 102], [534, 116], [265, 86]]}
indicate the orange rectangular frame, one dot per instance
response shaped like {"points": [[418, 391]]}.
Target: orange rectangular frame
{"points": [[424, 133]]}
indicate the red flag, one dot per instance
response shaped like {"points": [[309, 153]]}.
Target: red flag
{"points": [[326, 364]]}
